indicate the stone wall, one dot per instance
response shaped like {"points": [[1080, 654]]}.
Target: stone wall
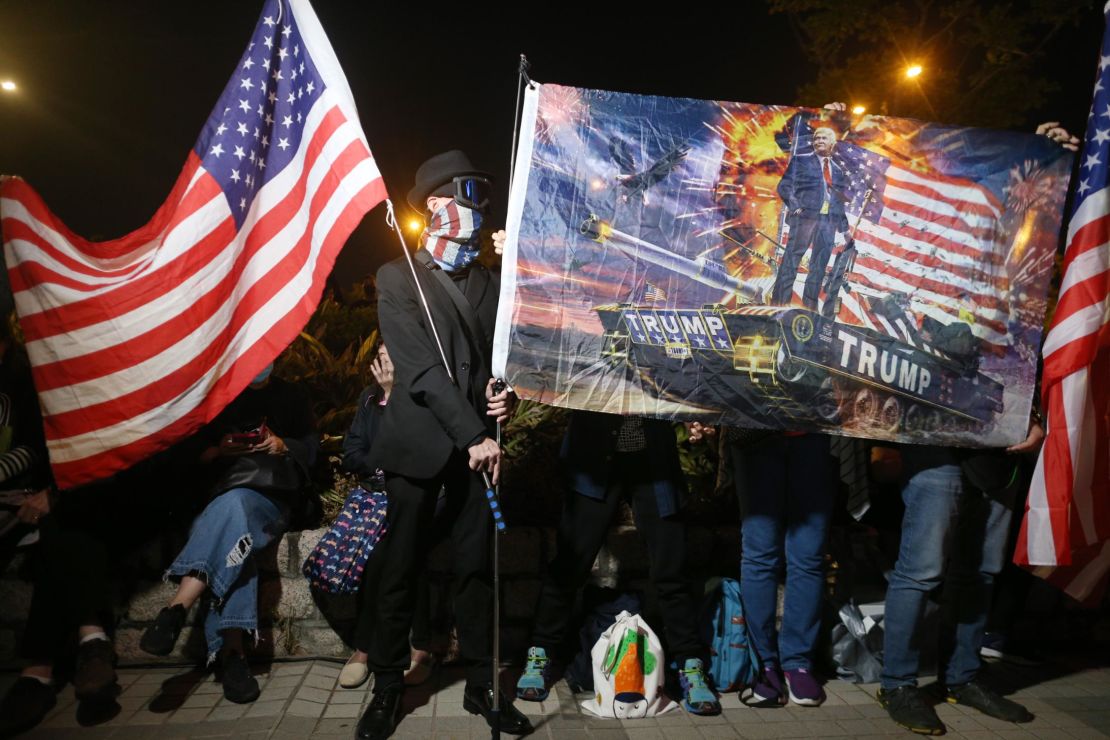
{"points": [[294, 622]]}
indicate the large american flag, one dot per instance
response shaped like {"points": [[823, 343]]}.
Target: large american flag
{"points": [[137, 342], [1067, 519]]}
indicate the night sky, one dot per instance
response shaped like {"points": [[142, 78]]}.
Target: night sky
{"points": [[113, 94]]}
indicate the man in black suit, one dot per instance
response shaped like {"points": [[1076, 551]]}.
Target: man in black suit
{"points": [[813, 192], [438, 430]]}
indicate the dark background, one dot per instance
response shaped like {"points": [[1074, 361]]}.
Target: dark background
{"points": [[113, 93]]}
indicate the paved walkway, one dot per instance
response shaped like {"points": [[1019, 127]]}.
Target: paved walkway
{"points": [[1070, 698]]}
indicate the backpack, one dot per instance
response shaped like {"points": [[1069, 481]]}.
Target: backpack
{"points": [[628, 672], [733, 663], [579, 672]]}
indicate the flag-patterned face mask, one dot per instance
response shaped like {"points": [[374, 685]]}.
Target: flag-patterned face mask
{"points": [[452, 236]]}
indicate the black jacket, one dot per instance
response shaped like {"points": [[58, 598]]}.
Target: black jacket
{"points": [[428, 417], [287, 412], [360, 438], [590, 445]]}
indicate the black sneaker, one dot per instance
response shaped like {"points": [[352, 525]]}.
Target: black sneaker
{"points": [[25, 705], [240, 686], [908, 706], [94, 675], [989, 702], [160, 637]]}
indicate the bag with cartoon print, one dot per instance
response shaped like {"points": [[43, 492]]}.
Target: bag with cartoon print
{"points": [[628, 671], [336, 564]]}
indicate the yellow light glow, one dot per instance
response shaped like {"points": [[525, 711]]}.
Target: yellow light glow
{"points": [[415, 225], [859, 110], [914, 70], [8, 86], [597, 183]]}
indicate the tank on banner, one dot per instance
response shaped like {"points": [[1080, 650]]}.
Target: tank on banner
{"points": [[766, 266]]}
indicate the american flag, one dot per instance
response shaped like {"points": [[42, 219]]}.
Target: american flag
{"points": [[1067, 519], [137, 342], [932, 242]]}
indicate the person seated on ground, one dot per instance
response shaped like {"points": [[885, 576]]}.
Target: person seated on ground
{"points": [[24, 471], [356, 459], [258, 454], [74, 547], [606, 459]]}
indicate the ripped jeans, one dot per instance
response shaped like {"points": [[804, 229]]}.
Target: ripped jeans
{"points": [[222, 539]]}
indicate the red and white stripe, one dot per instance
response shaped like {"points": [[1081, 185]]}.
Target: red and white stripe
{"points": [[935, 241], [1068, 511], [137, 342]]}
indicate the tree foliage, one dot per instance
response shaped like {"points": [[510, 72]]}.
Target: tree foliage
{"points": [[983, 60]]}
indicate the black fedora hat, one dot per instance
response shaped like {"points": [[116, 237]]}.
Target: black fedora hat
{"points": [[438, 172]]}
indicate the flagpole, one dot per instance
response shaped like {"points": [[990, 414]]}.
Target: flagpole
{"points": [[494, 491], [522, 77], [391, 219]]}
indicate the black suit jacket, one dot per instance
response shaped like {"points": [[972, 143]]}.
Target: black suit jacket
{"points": [[803, 185], [428, 416]]}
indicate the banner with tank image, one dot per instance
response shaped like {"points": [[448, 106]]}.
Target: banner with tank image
{"points": [[777, 267]]}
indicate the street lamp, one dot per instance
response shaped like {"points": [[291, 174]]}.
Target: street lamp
{"points": [[415, 225], [8, 86], [913, 71], [859, 110]]}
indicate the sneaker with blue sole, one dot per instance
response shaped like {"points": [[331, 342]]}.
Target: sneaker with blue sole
{"points": [[533, 684], [697, 695]]}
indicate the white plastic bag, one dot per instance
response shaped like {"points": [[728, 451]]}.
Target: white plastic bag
{"points": [[628, 671]]}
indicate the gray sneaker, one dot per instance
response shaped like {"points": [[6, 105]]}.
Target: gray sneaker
{"points": [[988, 701]]}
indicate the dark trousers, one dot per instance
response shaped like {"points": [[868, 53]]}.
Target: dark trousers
{"points": [[582, 529], [71, 588], [390, 589], [89, 537], [805, 231]]}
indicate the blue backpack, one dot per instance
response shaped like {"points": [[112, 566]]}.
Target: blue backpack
{"points": [[734, 663]]}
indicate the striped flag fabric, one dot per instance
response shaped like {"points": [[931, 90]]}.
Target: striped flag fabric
{"points": [[137, 342], [933, 241], [1067, 519]]}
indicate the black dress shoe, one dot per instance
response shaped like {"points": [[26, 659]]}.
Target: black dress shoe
{"points": [[478, 699], [380, 718]]}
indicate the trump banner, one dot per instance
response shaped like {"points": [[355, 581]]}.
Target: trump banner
{"points": [[779, 268]]}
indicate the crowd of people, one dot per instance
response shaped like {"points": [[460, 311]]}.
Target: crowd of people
{"points": [[424, 433]]}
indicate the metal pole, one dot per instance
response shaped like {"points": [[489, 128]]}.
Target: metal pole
{"points": [[493, 493]]}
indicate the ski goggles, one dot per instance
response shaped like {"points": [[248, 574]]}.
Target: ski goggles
{"points": [[472, 192]]}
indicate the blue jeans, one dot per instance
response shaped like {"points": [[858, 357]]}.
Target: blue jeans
{"points": [[233, 526], [945, 522], [786, 500]]}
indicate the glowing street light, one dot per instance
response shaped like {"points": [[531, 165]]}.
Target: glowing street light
{"points": [[913, 71], [415, 225], [8, 86], [859, 110]]}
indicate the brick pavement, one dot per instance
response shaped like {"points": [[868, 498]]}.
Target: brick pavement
{"points": [[302, 699]]}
